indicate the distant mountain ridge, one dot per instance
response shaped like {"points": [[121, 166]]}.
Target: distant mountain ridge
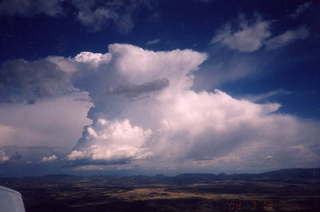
{"points": [[289, 175]]}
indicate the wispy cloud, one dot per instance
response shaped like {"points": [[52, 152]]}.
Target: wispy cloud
{"points": [[267, 95], [287, 37], [92, 13], [245, 37], [98, 15], [152, 42], [301, 9]]}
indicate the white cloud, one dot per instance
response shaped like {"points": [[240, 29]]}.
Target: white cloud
{"points": [[22, 154], [152, 42], [134, 72], [250, 37], [117, 140], [145, 114], [3, 157], [246, 37], [49, 158], [93, 59], [287, 37], [177, 127]]}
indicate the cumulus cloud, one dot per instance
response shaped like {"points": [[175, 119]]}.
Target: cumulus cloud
{"points": [[169, 125], [245, 37], [287, 37], [24, 81], [93, 59], [49, 158], [114, 141], [32, 154]]}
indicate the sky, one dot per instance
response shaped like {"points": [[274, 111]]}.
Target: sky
{"points": [[158, 86]]}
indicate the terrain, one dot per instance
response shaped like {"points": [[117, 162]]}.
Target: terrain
{"points": [[283, 190]]}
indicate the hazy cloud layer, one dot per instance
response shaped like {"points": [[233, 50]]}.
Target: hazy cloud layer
{"points": [[24, 81], [55, 122]]}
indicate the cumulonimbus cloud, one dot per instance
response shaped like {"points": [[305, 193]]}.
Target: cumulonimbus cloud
{"points": [[166, 124], [145, 114]]}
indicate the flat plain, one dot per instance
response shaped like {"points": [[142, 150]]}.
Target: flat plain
{"points": [[282, 191]]}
